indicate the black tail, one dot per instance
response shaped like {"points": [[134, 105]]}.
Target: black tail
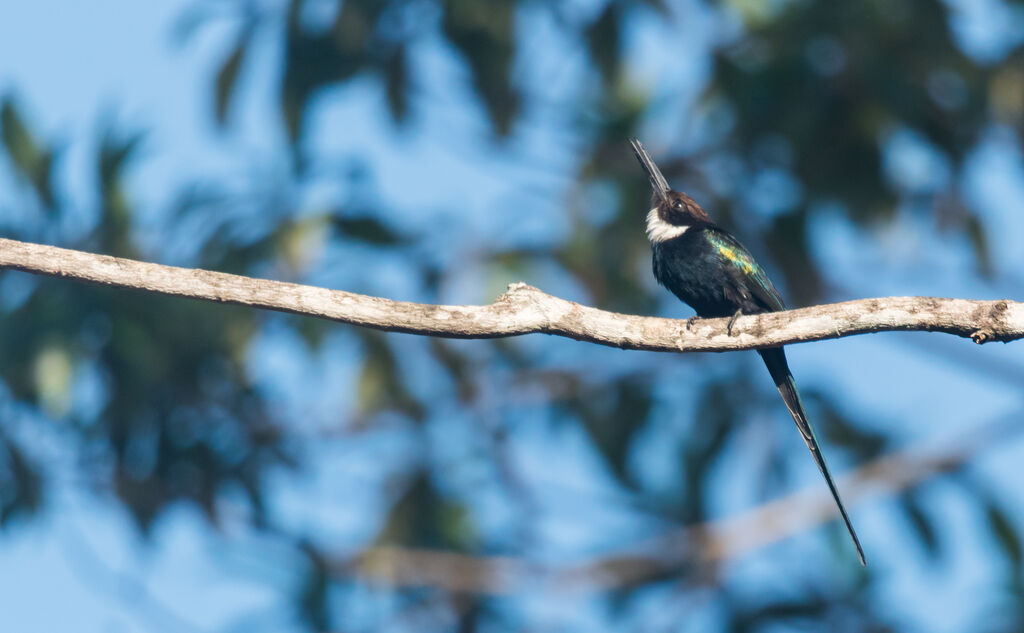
{"points": [[775, 360]]}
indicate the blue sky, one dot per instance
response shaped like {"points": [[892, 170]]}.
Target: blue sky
{"points": [[72, 64]]}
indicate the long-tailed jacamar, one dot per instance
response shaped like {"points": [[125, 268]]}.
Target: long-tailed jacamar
{"points": [[710, 270]]}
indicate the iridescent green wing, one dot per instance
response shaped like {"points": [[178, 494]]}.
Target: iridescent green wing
{"points": [[749, 272]]}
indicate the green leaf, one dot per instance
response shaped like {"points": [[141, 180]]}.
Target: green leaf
{"points": [[313, 596], [114, 231], [21, 489], [369, 230], [380, 386], [227, 77], [603, 39], [789, 611], [611, 417], [979, 242], [30, 160], [423, 517], [658, 5], [921, 523], [1005, 533], [461, 369], [396, 81], [842, 431], [22, 149], [483, 32], [43, 180]]}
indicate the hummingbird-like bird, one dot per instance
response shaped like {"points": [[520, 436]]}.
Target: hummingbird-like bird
{"points": [[709, 269]]}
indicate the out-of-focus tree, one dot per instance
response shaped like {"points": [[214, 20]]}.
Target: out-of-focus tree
{"points": [[803, 110]]}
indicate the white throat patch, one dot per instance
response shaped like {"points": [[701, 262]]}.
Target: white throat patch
{"points": [[659, 230]]}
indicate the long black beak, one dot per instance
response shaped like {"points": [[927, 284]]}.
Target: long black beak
{"points": [[658, 182]]}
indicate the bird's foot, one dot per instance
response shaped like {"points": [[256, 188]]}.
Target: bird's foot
{"points": [[732, 321], [690, 322]]}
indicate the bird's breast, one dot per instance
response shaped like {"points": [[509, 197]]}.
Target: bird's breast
{"points": [[692, 272]]}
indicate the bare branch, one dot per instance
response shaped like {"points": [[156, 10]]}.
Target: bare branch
{"points": [[703, 545], [524, 309]]}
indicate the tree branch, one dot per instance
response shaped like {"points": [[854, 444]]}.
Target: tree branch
{"points": [[703, 545], [524, 309]]}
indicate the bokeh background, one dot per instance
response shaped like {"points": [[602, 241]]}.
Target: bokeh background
{"points": [[168, 465]]}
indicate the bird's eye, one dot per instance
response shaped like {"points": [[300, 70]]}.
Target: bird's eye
{"points": [[678, 206]]}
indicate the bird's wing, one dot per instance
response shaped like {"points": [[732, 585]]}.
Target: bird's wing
{"points": [[749, 272]]}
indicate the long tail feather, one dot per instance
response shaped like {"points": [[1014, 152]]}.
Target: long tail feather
{"points": [[775, 360]]}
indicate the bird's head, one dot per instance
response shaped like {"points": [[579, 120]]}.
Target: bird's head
{"points": [[673, 211]]}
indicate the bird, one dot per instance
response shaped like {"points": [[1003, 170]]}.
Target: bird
{"points": [[707, 268]]}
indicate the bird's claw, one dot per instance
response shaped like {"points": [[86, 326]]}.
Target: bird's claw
{"points": [[732, 321], [690, 322]]}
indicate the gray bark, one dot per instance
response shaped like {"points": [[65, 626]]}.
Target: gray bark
{"points": [[524, 309]]}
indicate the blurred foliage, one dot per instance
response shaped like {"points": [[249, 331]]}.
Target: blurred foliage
{"points": [[812, 93], [31, 162], [805, 97]]}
